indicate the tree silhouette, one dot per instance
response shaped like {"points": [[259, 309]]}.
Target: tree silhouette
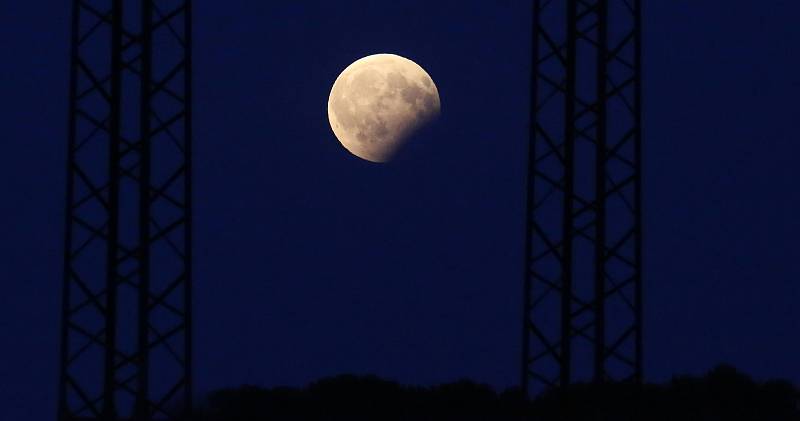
{"points": [[723, 394]]}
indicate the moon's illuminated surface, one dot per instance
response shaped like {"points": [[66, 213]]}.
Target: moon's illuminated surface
{"points": [[378, 102]]}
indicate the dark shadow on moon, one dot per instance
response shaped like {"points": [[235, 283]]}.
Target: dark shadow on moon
{"points": [[376, 112]]}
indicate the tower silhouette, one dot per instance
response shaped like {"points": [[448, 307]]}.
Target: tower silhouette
{"points": [[126, 321], [583, 259]]}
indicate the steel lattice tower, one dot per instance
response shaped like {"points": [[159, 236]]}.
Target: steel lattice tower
{"points": [[126, 322], [583, 273]]}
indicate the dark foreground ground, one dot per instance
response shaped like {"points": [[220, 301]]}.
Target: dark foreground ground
{"points": [[723, 394]]}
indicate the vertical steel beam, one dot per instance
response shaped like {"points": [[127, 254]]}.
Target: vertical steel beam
{"points": [[583, 281], [126, 316], [530, 184], [188, 36], [600, 193], [63, 409], [569, 195], [637, 5], [112, 249]]}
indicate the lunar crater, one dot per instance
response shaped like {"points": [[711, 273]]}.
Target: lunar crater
{"points": [[378, 102]]}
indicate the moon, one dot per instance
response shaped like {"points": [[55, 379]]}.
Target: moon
{"points": [[378, 102]]}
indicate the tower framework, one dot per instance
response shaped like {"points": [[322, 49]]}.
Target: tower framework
{"points": [[126, 320], [583, 268]]}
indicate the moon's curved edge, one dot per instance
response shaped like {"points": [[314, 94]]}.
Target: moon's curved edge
{"points": [[385, 155]]}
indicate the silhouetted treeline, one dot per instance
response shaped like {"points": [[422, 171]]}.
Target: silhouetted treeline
{"points": [[723, 394]]}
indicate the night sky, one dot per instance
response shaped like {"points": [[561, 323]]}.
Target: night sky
{"points": [[311, 262]]}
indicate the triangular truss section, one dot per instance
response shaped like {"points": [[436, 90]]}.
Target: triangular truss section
{"points": [[583, 267], [126, 320]]}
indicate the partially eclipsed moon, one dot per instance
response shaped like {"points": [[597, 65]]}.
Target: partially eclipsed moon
{"points": [[378, 102]]}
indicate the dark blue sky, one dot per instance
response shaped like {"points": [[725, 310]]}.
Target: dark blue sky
{"points": [[311, 262]]}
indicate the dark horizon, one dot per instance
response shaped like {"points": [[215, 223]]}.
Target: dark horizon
{"points": [[722, 393], [310, 262]]}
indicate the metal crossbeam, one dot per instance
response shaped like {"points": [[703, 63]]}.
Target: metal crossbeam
{"points": [[126, 321], [583, 271]]}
